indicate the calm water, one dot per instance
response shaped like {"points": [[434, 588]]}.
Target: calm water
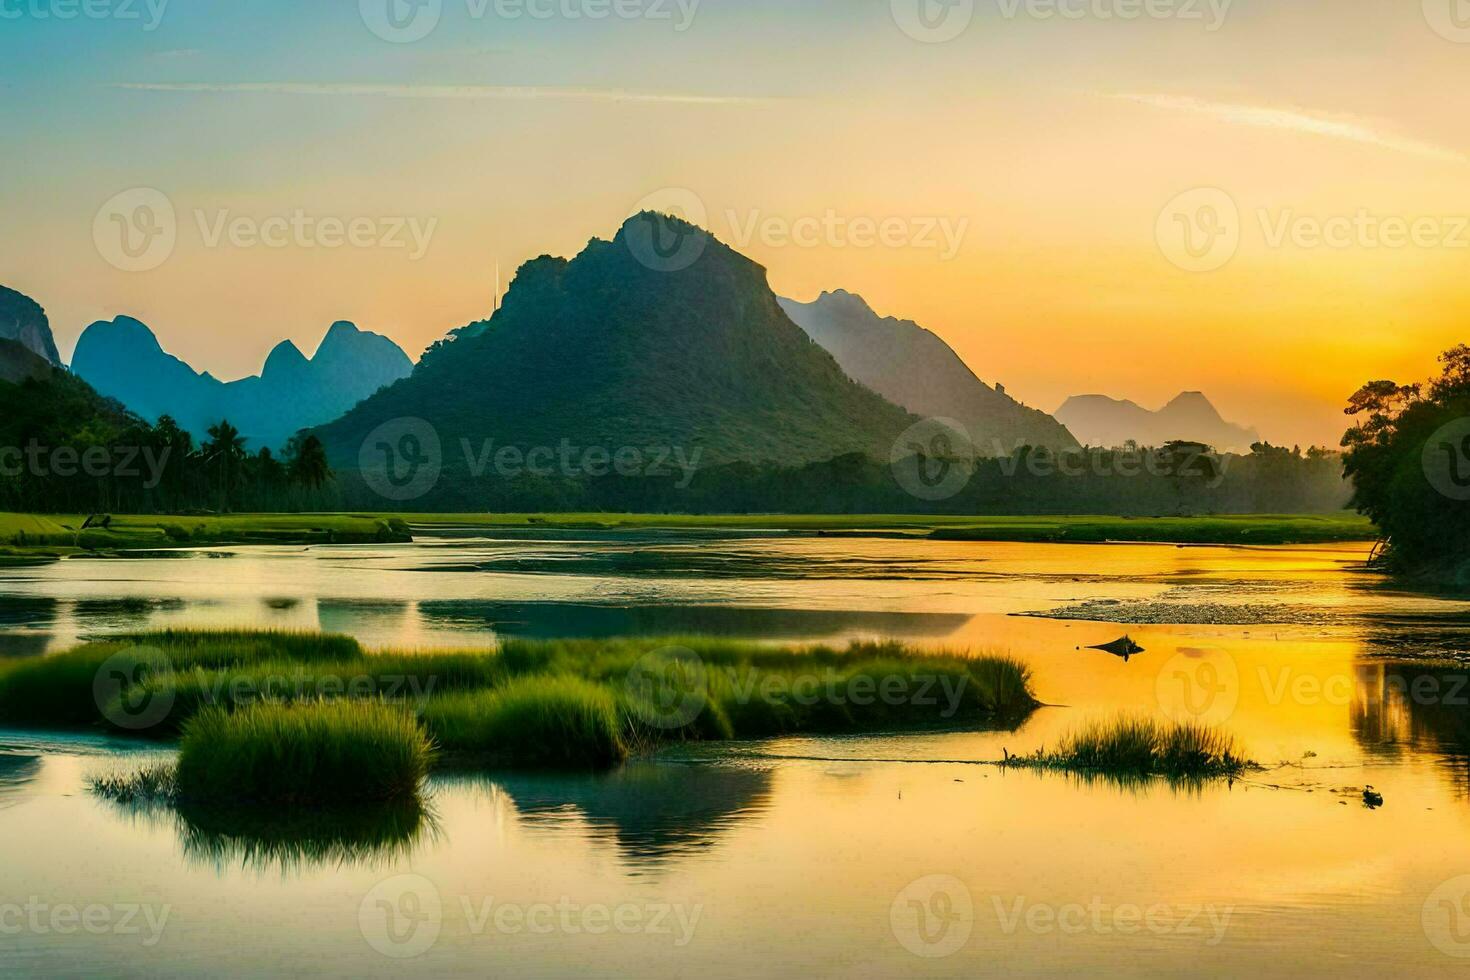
{"points": [[805, 857]]}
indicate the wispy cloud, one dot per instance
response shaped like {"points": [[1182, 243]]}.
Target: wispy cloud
{"points": [[1344, 128], [462, 92]]}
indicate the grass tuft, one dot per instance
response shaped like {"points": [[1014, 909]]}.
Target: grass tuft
{"points": [[323, 753], [546, 722], [1140, 746]]}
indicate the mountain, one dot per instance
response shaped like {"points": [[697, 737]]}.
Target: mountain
{"points": [[122, 359], [1101, 421], [613, 349], [22, 320], [912, 367], [19, 364]]}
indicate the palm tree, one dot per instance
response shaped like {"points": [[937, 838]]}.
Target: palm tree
{"points": [[225, 454], [309, 467]]}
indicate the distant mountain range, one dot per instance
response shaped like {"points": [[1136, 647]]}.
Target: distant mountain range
{"points": [[122, 359], [23, 321], [1102, 421], [609, 350], [913, 368]]}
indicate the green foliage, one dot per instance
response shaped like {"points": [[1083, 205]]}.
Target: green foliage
{"points": [[1409, 458], [1140, 746], [321, 753], [554, 721]]}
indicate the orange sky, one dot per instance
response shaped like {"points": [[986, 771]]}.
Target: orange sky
{"points": [[1055, 145]]}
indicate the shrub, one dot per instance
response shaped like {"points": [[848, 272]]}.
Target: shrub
{"points": [[552, 721], [321, 753]]}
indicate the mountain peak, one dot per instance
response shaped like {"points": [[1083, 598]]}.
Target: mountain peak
{"points": [[845, 301], [24, 321], [285, 356], [1190, 416]]}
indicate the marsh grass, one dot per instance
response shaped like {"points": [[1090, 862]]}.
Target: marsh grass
{"points": [[1130, 746], [556, 721], [546, 703], [322, 753]]}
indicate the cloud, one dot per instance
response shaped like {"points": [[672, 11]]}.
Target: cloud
{"points": [[1343, 128], [462, 92]]}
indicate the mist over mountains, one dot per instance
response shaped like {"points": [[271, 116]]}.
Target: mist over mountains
{"points": [[122, 359], [1109, 422], [915, 369]]}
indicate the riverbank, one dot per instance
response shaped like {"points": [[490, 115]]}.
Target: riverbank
{"points": [[31, 535]]}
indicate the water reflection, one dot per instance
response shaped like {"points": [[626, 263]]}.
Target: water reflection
{"points": [[651, 812], [1401, 709], [560, 620], [16, 772], [291, 841]]}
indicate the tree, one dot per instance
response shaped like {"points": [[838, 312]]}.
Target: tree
{"points": [[1409, 459], [309, 467], [224, 455]]}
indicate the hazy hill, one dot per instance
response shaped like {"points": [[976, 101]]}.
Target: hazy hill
{"points": [[22, 320], [914, 368], [123, 359], [1102, 421], [606, 351]]}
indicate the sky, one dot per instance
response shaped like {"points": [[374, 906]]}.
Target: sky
{"points": [[1264, 201]]}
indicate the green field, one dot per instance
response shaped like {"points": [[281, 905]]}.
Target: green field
{"points": [[1229, 529], [61, 534]]}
